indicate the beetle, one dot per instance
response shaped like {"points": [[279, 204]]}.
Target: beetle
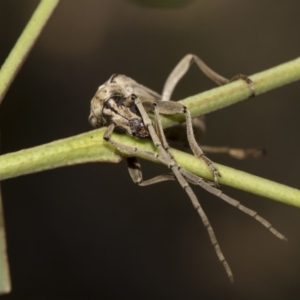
{"points": [[123, 105]]}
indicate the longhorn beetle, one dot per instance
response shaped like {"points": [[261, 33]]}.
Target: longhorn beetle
{"points": [[122, 105]]}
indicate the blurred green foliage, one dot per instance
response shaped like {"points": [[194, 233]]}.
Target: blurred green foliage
{"points": [[163, 3]]}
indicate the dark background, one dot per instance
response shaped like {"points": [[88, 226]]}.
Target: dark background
{"points": [[86, 231]]}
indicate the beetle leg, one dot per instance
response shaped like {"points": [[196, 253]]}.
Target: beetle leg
{"points": [[183, 66]]}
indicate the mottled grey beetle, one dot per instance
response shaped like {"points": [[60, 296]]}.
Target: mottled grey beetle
{"points": [[122, 105]]}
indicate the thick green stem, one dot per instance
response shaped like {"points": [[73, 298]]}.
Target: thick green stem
{"points": [[90, 147]]}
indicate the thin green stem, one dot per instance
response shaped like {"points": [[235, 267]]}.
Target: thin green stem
{"points": [[24, 44], [237, 91], [5, 284]]}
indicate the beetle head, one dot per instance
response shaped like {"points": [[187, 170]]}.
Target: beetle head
{"points": [[112, 104]]}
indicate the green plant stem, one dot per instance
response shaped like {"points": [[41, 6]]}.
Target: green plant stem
{"points": [[8, 72], [5, 283], [237, 91], [24, 44], [90, 147]]}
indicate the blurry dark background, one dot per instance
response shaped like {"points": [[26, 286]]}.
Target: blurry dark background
{"points": [[86, 231]]}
